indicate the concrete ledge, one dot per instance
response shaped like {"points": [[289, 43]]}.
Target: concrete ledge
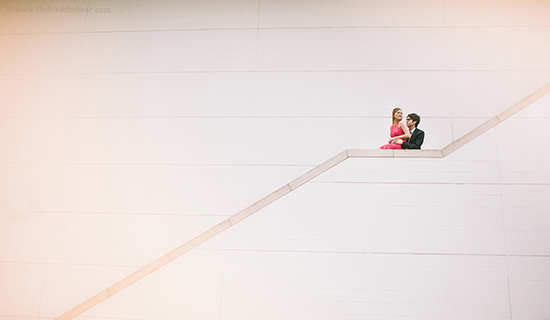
{"points": [[397, 153], [139, 274], [372, 153], [85, 305], [323, 167], [460, 142], [198, 240], [418, 154], [260, 204], [281, 192], [524, 103]]}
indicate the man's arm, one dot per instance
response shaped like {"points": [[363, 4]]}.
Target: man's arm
{"points": [[416, 141]]}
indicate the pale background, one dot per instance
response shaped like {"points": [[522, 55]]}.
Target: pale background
{"points": [[124, 134]]}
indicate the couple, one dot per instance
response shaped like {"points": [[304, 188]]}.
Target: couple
{"points": [[404, 134]]}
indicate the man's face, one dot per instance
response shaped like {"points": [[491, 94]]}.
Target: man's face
{"points": [[411, 124]]}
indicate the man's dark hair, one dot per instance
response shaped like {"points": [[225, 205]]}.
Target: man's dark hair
{"points": [[414, 117]]}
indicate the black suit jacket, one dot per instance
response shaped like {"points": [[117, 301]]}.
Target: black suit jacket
{"points": [[415, 141]]}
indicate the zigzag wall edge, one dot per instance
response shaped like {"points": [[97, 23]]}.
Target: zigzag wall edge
{"points": [[293, 185]]}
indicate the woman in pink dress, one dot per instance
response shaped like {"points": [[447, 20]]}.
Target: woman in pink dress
{"points": [[398, 131]]}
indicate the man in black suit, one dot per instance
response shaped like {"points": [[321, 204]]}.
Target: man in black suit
{"points": [[417, 135]]}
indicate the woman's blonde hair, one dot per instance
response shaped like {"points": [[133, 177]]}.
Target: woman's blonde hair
{"points": [[393, 115]]}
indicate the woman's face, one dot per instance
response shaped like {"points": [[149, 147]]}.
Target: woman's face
{"points": [[398, 115]]}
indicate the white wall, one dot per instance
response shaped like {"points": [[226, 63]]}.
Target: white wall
{"points": [[126, 133]]}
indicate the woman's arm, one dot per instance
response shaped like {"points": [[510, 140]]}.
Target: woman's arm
{"points": [[406, 131]]}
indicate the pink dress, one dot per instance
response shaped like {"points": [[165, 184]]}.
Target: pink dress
{"points": [[395, 131]]}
